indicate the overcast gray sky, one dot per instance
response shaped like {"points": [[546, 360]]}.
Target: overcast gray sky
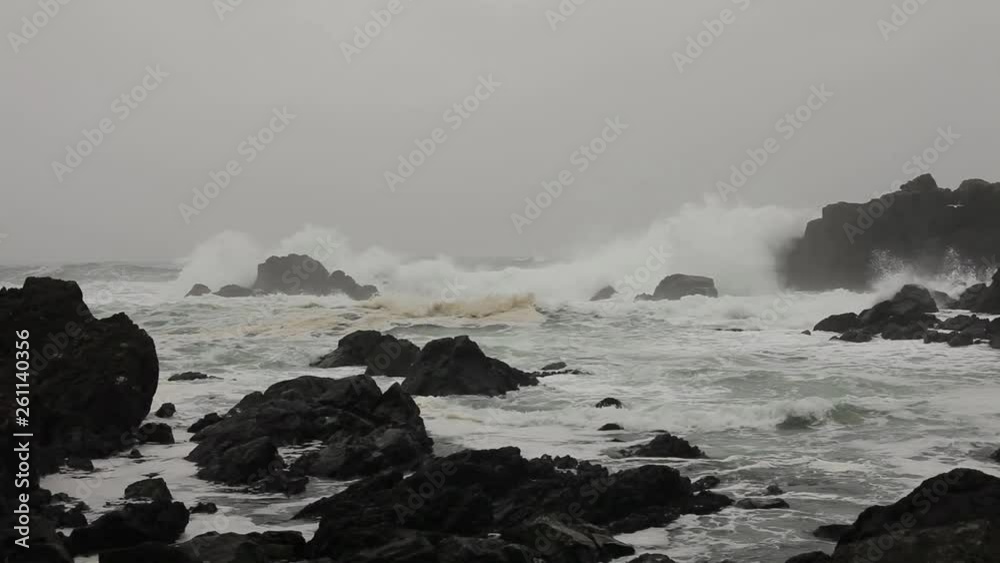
{"points": [[221, 78]]}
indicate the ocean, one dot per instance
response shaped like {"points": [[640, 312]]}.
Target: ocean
{"points": [[838, 426]]}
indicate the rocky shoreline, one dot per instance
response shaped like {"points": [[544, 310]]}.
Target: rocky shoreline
{"points": [[407, 503]]}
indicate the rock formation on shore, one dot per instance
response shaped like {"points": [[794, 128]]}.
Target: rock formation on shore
{"points": [[457, 366], [920, 224], [676, 286], [381, 354], [294, 274]]}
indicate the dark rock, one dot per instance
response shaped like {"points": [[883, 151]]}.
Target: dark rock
{"points": [[676, 286], [960, 339], [807, 332], [995, 342], [665, 445], [152, 489], [554, 366], [80, 464], [761, 503], [204, 422], [363, 430], [910, 303], [773, 490], [92, 379], [609, 402], [706, 483], [568, 541], [383, 354], [473, 493], [811, 557], [62, 516], [652, 558], [233, 290], [166, 410], [135, 454], [950, 517], [205, 508], [197, 290], [130, 526], [187, 376], [921, 225], [934, 336], [457, 366], [606, 292], [149, 552], [343, 283], [989, 301], [971, 296], [294, 274], [855, 335], [249, 548], [958, 323], [838, 323], [831, 532], [456, 549], [909, 331], [155, 433], [610, 426]]}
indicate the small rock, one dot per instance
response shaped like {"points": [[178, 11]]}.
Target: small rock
{"points": [[153, 489], [134, 454], [554, 366], [773, 490], [761, 504], [960, 339], [855, 335], [155, 433], [610, 426], [204, 422], [807, 332], [166, 410], [665, 445], [80, 463], [609, 402], [652, 558], [706, 483], [205, 508], [187, 376], [197, 290], [606, 292]]}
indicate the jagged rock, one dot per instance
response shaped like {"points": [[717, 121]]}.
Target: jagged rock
{"points": [[457, 366], [920, 224], [343, 283], [204, 422], [609, 402], [131, 525], [363, 430], [676, 286], [293, 274], [971, 296], [606, 292], [197, 290], [839, 323], [93, 380], [665, 445], [166, 410], [989, 301], [152, 489], [383, 354], [233, 290], [951, 517]]}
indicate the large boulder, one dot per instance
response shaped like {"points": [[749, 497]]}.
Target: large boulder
{"points": [[665, 445], [343, 283], [676, 286], [951, 517], [382, 354], [989, 301], [920, 224], [457, 366], [92, 380], [131, 525], [293, 274], [838, 323], [461, 498], [362, 430], [197, 290]]}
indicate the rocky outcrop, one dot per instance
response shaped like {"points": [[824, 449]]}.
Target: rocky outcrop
{"points": [[450, 505], [951, 517], [382, 354], [457, 366], [298, 274], [988, 301], [197, 290], [665, 445], [606, 292], [238, 548], [92, 380], [920, 224], [343, 283], [362, 430], [676, 286], [838, 323], [134, 524], [233, 290]]}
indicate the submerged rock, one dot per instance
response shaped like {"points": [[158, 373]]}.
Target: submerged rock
{"points": [[609, 402], [188, 376], [233, 290], [457, 366], [761, 503], [665, 445]]}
